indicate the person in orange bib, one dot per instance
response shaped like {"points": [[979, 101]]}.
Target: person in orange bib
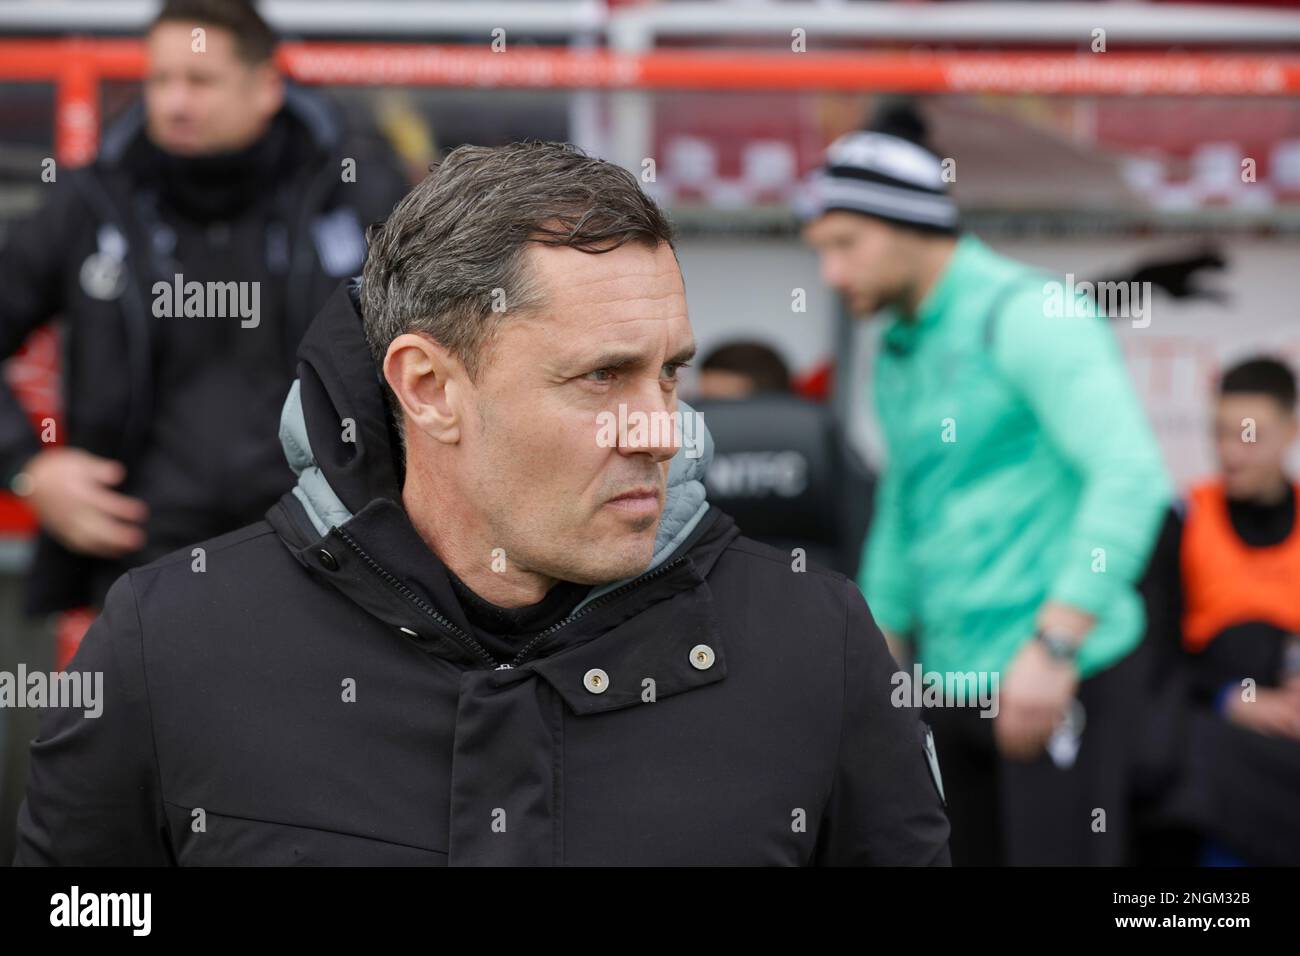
{"points": [[1239, 557]]}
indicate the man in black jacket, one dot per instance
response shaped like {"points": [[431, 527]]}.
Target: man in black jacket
{"points": [[496, 621], [223, 180]]}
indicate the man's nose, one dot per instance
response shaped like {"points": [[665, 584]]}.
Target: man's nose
{"points": [[652, 428], [172, 100], [832, 274]]}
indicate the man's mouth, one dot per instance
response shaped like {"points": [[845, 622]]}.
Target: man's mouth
{"points": [[636, 502]]}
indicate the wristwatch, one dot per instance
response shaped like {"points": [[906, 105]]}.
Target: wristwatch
{"points": [[21, 484], [1060, 646]]}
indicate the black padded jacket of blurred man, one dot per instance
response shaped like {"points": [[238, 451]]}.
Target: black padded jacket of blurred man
{"points": [[188, 404], [325, 693]]}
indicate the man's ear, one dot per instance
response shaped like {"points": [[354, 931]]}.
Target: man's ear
{"points": [[269, 84], [431, 385], [1292, 427]]}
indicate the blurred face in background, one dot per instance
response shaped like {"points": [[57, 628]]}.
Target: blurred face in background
{"points": [[720, 383], [206, 101], [1253, 470], [869, 262]]}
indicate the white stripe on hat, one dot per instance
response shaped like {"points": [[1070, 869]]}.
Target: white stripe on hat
{"points": [[889, 155]]}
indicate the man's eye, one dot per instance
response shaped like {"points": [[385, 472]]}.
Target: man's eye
{"points": [[607, 374]]}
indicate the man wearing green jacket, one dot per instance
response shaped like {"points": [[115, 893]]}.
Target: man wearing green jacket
{"points": [[1022, 494]]}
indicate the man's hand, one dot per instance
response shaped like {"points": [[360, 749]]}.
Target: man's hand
{"points": [[1037, 688], [1064, 619], [1033, 697], [1274, 711], [72, 497]]}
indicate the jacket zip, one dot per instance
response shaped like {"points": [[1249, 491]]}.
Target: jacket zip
{"points": [[541, 637], [466, 640]]}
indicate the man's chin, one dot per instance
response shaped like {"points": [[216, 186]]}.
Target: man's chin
{"points": [[180, 144], [618, 556], [1240, 490], [863, 309]]}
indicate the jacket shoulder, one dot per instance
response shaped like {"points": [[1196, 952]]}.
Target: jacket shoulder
{"points": [[238, 566], [183, 598], [241, 538], [762, 557], [771, 597]]}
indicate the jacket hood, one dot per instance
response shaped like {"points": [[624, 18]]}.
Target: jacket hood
{"points": [[339, 385]]}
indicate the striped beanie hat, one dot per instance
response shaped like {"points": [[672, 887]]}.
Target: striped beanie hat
{"points": [[886, 173]]}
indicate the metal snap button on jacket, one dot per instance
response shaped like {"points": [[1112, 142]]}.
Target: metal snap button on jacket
{"points": [[327, 560], [701, 657], [595, 680]]}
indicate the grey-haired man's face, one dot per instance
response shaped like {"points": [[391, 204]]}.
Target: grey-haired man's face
{"points": [[530, 458]]}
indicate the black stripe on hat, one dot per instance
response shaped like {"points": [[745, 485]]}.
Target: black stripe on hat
{"points": [[874, 176], [895, 203]]}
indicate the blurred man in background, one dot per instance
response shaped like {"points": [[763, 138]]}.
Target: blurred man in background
{"points": [[741, 369], [225, 178], [1022, 495], [1240, 570]]}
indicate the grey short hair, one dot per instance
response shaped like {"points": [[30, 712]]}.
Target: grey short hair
{"points": [[449, 261]]}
